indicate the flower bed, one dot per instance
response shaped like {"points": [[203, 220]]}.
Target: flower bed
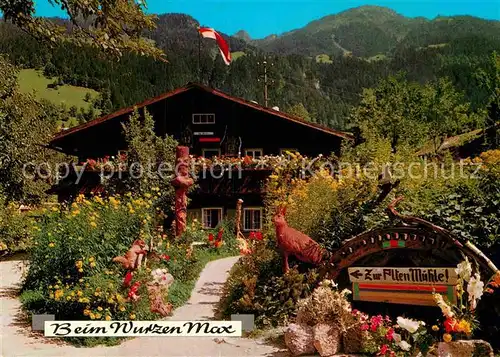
{"points": [[72, 273]]}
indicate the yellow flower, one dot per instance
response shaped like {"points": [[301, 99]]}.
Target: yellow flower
{"points": [[80, 280], [68, 298], [435, 328], [58, 294], [85, 300], [92, 265], [80, 270], [79, 264], [86, 312], [108, 318], [52, 245], [51, 295], [91, 259], [122, 308], [98, 316], [79, 293], [97, 293], [147, 195], [132, 316], [93, 224], [447, 337], [92, 316], [99, 308], [464, 326]]}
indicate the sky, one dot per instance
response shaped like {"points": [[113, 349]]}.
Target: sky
{"points": [[261, 18]]}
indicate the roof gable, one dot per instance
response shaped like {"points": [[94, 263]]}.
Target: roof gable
{"points": [[215, 92]]}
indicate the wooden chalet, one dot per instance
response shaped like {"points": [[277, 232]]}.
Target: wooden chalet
{"points": [[211, 123]]}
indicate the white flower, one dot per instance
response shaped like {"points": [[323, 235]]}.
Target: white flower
{"points": [[475, 290], [405, 346], [408, 324], [445, 308], [464, 270], [346, 292]]}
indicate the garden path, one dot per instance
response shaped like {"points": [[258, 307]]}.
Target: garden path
{"points": [[16, 338]]}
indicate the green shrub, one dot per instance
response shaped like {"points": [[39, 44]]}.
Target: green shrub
{"points": [[71, 257], [16, 229], [256, 285]]}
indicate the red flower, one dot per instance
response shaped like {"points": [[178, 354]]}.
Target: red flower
{"points": [[132, 293], [166, 257], [128, 278], [390, 334], [365, 327], [210, 237], [450, 325], [251, 235], [91, 163], [376, 322], [247, 160], [384, 349], [219, 235], [258, 235]]}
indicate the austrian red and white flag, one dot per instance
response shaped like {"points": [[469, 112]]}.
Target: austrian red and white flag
{"points": [[206, 32]]}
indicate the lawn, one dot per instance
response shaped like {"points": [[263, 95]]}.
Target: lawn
{"points": [[33, 80], [237, 54]]}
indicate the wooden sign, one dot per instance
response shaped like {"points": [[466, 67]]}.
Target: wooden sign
{"points": [[429, 276], [413, 286], [198, 133]]}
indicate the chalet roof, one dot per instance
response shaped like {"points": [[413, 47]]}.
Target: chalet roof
{"points": [[215, 92]]}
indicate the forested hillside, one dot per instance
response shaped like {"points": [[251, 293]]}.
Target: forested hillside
{"points": [[426, 50]]}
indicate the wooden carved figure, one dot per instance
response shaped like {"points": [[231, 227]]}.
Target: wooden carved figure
{"points": [[295, 243], [181, 182], [157, 302], [132, 259]]}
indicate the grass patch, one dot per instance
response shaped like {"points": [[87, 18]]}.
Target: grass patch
{"points": [[237, 54], [33, 80], [323, 58]]}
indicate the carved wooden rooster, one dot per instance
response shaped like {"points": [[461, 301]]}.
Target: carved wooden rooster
{"points": [[292, 242]]}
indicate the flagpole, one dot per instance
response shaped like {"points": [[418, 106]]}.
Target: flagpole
{"points": [[199, 57]]}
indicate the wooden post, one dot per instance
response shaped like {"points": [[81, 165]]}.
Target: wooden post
{"points": [[239, 204], [181, 182]]}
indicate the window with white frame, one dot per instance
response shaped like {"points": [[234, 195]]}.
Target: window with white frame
{"points": [[211, 216], [210, 153], [252, 219], [204, 118], [255, 153]]}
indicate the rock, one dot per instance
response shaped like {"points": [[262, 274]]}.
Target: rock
{"points": [[465, 348], [326, 339], [299, 339], [352, 340]]}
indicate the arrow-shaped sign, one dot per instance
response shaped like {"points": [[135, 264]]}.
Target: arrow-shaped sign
{"points": [[357, 274]]}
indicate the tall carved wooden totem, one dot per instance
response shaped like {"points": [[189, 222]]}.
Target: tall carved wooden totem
{"points": [[181, 182]]}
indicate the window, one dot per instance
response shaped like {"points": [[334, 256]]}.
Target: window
{"points": [[252, 219], [255, 153], [209, 153], [211, 217], [203, 118]]}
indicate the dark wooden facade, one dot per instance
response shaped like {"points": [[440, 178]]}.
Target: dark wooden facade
{"points": [[235, 126]]}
